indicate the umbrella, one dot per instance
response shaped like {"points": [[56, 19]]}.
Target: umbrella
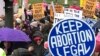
{"points": [[7, 34]]}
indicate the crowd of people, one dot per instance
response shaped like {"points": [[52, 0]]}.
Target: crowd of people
{"points": [[36, 30]]}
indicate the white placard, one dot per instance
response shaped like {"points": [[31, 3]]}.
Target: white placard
{"points": [[68, 14], [58, 17], [72, 13]]}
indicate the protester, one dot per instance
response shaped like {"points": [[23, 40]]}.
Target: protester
{"points": [[2, 52], [21, 52], [2, 22], [31, 49], [7, 48], [47, 52], [45, 30], [38, 43]]}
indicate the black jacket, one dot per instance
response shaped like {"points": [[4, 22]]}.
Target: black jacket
{"points": [[39, 50]]}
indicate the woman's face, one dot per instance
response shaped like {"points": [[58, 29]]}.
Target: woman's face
{"points": [[7, 44], [38, 40]]}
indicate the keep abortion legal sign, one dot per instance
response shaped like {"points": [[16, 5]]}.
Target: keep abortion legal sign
{"points": [[71, 37]]}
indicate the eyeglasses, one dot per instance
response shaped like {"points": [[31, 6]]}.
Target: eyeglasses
{"points": [[37, 39]]}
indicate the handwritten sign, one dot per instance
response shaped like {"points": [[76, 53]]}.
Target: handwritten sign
{"points": [[59, 8], [58, 17], [38, 11], [72, 13], [89, 8]]}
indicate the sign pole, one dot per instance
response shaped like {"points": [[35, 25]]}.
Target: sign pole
{"points": [[9, 13], [53, 7], [66, 2]]}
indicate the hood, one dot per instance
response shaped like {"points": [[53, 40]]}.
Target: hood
{"points": [[37, 33]]}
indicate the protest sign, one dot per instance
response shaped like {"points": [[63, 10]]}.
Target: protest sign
{"points": [[90, 21], [58, 17], [89, 8], [55, 9], [38, 11], [59, 8], [68, 14], [82, 3], [71, 37], [72, 13]]}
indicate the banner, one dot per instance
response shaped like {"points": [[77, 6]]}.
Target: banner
{"points": [[89, 8], [38, 11]]}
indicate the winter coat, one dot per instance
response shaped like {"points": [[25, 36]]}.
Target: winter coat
{"points": [[39, 50]]}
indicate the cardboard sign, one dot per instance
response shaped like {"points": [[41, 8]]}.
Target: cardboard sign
{"points": [[89, 8], [72, 13], [71, 37], [59, 8], [38, 11]]}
